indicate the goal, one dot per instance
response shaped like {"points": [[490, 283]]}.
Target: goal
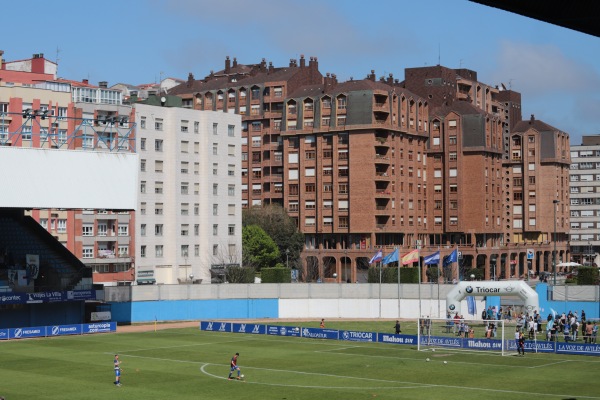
{"points": [[464, 335]]}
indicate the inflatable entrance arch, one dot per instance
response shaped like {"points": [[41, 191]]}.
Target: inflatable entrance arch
{"points": [[492, 288]]}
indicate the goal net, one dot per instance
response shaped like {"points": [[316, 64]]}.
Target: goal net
{"points": [[463, 335]]}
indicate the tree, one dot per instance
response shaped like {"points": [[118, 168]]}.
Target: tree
{"points": [[275, 221], [258, 249]]}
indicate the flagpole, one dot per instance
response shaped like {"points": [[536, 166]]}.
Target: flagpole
{"points": [[380, 267], [398, 288], [438, 287], [419, 263]]}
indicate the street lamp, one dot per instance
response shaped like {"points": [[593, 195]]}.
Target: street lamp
{"points": [[472, 277], [554, 203], [287, 258]]}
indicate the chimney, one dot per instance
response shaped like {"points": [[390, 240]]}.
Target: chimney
{"points": [[84, 81], [234, 62], [372, 75], [1, 59], [190, 80], [227, 65], [291, 62], [270, 66], [390, 79], [532, 120], [263, 65], [103, 84], [302, 61], [37, 64]]}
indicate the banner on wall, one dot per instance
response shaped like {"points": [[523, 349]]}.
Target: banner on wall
{"points": [[45, 297]]}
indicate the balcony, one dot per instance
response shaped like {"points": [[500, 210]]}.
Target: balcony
{"points": [[382, 176], [382, 159]]}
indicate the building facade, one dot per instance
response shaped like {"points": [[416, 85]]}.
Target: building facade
{"points": [[39, 110], [430, 162], [585, 201], [189, 218]]}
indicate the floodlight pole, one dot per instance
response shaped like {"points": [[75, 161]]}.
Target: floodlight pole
{"points": [[554, 203]]}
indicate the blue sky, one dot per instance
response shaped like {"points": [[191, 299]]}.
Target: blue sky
{"points": [[557, 70]]}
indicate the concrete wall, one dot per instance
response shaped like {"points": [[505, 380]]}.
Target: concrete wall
{"points": [[314, 301]]}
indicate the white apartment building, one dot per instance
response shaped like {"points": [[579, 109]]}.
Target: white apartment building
{"points": [[585, 200], [189, 217]]}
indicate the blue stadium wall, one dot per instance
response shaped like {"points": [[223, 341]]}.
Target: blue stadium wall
{"points": [[223, 309], [182, 310], [59, 313]]}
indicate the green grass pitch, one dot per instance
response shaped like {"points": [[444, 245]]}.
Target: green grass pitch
{"points": [[191, 364]]}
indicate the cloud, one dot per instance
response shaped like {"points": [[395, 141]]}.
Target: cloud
{"points": [[539, 70]]}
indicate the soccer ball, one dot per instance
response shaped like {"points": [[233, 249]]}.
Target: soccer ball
{"points": [[432, 349], [445, 362], [242, 376], [427, 360]]}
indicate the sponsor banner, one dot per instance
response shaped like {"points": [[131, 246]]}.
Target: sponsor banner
{"points": [[283, 330], [3, 334], [59, 330], [99, 327], [215, 326], [531, 346], [441, 341], [397, 339], [101, 316], [22, 333], [47, 297], [357, 336], [578, 348], [318, 333], [482, 344], [255, 329]]}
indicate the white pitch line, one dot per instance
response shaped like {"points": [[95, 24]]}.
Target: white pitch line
{"points": [[417, 384]]}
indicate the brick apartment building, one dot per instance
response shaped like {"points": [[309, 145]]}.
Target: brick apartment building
{"points": [[437, 161], [39, 110]]}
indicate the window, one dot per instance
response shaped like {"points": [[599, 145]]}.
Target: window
{"points": [[215, 209], [185, 229], [196, 209], [185, 250], [185, 167], [158, 250], [215, 229], [310, 188], [310, 204], [158, 166], [196, 229], [61, 226], [143, 251], [215, 149], [158, 187], [185, 209], [143, 230], [158, 145], [231, 230], [158, 229], [343, 188], [102, 229], [309, 221], [343, 205], [231, 130], [215, 130], [309, 172], [142, 144], [452, 172], [343, 222], [215, 250], [215, 169], [123, 230], [231, 170], [87, 252], [196, 127], [142, 165], [87, 229], [158, 124]]}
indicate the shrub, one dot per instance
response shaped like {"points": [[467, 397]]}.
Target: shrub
{"points": [[275, 275]]}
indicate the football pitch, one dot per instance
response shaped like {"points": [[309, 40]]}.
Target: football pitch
{"points": [[190, 364]]}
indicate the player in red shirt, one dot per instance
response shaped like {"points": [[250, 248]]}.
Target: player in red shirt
{"points": [[234, 366]]}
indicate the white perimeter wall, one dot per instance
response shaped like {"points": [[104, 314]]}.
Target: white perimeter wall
{"points": [[69, 179]]}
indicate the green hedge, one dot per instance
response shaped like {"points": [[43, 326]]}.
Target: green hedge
{"points": [[275, 275], [390, 275], [587, 276], [240, 275]]}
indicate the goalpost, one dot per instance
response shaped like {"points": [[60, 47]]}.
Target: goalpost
{"points": [[464, 335]]}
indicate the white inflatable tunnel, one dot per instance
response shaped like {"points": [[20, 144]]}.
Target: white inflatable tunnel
{"points": [[492, 288]]}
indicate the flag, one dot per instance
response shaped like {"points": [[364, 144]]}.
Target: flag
{"points": [[390, 258], [472, 307], [411, 257], [451, 258], [376, 258], [553, 313], [432, 258]]}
